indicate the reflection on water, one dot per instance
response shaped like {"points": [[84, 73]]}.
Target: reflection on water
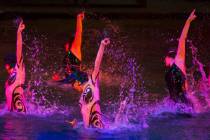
{"points": [[165, 126]]}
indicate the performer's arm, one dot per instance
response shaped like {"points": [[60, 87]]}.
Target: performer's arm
{"points": [[180, 56], [19, 44], [99, 57]]}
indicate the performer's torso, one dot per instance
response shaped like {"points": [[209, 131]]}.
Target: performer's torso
{"points": [[175, 80], [16, 78], [88, 101], [90, 92]]}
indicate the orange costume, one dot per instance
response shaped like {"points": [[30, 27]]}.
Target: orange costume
{"points": [[73, 58]]}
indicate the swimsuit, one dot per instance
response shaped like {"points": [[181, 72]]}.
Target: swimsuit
{"points": [[72, 70], [175, 80], [14, 90], [89, 104]]}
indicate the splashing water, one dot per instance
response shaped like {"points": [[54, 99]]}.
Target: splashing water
{"points": [[121, 67], [132, 103], [157, 108], [129, 104], [41, 99], [199, 88], [132, 92]]}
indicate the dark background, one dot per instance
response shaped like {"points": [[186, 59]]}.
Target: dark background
{"points": [[113, 8]]}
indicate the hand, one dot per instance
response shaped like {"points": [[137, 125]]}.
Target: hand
{"points": [[192, 16], [21, 26], [81, 15], [105, 41]]}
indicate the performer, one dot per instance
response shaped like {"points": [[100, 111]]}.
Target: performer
{"points": [[73, 58], [16, 69], [89, 89], [175, 62], [89, 100]]}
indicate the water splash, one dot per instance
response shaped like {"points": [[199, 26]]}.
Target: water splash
{"points": [[41, 99], [198, 83], [130, 98], [168, 106], [197, 90], [125, 106]]}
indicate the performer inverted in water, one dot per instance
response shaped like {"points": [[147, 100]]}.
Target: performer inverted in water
{"points": [[175, 62], [16, 70], [73, 57]]}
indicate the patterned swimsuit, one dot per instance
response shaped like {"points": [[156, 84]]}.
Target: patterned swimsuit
{"points": [[89, 104], [14, 90]]}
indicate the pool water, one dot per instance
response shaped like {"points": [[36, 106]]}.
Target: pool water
{"points": [[163, 127]]}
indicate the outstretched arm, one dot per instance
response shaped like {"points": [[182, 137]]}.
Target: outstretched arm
{"points": [[99, 57], [180, 56], [19, 44], [76, 45]]}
